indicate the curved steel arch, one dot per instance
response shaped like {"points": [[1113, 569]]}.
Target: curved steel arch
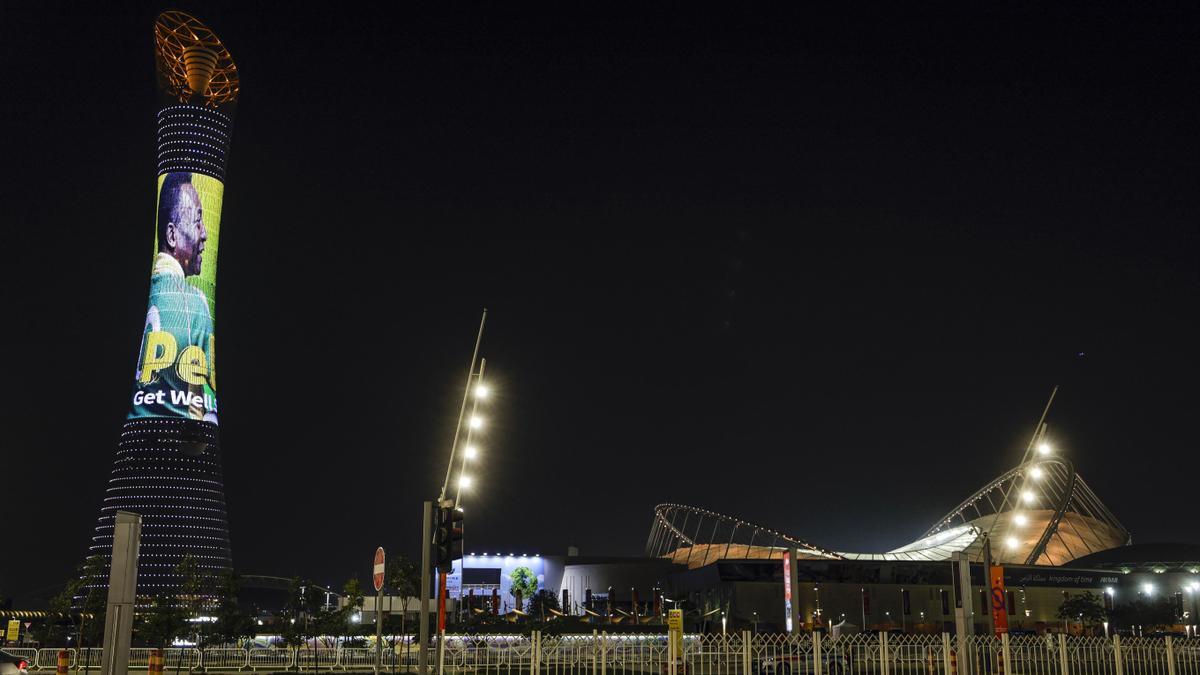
{"points": [[1040, 511]]}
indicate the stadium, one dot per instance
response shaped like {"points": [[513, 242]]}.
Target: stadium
{"points": [[1040, 512]]}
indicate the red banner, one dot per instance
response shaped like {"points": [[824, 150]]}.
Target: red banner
{"points": [[999, 600]]}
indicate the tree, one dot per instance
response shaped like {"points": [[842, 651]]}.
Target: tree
{"points": [[523, 581], [541, 603], [1150, 613], [84, 597], [164, 621], [233, 623], [1085, 608], [195, 596], [403, 578]]}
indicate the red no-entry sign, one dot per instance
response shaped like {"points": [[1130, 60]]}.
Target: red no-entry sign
{"points": [[378, 569]]}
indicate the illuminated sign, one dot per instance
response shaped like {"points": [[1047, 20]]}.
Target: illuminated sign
{"points": [[482, 573], [176, 373]]}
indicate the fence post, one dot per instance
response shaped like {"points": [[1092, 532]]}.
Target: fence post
{"points": [[1064, 667], [596, 645], [816, 639], [883, 653], [535, 642], [746, 661], [1006, 653], [947, 656], [1170, 656], [603, 652], [670, 669], [1117, 660]]}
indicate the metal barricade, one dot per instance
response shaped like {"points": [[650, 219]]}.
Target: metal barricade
{"points": [[1187, 656], [88, 658], [270, 658], [47, 658], [224, 658]]}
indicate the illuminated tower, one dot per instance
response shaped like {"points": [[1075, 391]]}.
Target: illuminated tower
{"points": [[168, 463]]}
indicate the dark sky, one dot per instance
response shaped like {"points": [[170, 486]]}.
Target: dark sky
{"points": [[815, 271]]}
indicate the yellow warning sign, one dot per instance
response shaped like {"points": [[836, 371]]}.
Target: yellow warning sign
{"points": [[675, 630], [14, 630]]}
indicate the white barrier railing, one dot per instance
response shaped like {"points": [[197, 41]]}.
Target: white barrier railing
{"points": [[731, 654]]}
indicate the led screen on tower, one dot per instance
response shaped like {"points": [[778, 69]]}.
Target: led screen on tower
{"points": [[176, 369]]}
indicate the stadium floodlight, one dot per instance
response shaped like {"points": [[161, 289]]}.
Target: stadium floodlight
{"points": [[1028, 497], [1044, 449], [1020, 519], [476, 422], [464, 481], [1036, 473], [482, 391], [470, 452]]}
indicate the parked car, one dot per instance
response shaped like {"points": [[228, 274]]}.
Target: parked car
{"points": [[832, 663], [13, 665]]}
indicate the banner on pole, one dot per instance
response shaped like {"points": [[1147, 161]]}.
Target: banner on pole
{"points": [[999, 600]]}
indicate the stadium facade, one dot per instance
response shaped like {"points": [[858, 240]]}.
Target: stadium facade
{"points": [[168, 462]]}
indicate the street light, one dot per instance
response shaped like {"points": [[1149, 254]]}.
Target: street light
{"points": [[482, 391], [1020, 519], [464, 481], [1044, 449], [470, 452], [476, 422], [1028, 497], [1036, 473]]}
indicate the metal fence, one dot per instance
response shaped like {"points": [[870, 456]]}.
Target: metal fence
{"points": [[733, 654]]}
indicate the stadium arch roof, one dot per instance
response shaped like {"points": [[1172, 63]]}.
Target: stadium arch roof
{"points": [[1039, 512]]}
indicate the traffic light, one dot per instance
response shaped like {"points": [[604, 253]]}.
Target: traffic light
{"points": [[448, 547]]}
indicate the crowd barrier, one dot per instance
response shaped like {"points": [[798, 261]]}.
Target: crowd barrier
{"points": [[740, 653]]}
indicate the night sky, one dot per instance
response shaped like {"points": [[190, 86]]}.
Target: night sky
{"points": [[818, 272]]}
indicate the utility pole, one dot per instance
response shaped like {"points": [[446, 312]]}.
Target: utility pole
{"points": [[423, 628], [964, 613], [122, 592]]}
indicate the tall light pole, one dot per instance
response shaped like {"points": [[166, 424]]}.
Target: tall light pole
{"points": [[442, 502]]}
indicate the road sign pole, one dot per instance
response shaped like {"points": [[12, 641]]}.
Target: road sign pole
{"points": [[378, 630], [423, 629], [378, 573]]}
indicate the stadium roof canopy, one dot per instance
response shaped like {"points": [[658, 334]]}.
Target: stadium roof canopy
{"points": [[1040, 512]]}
